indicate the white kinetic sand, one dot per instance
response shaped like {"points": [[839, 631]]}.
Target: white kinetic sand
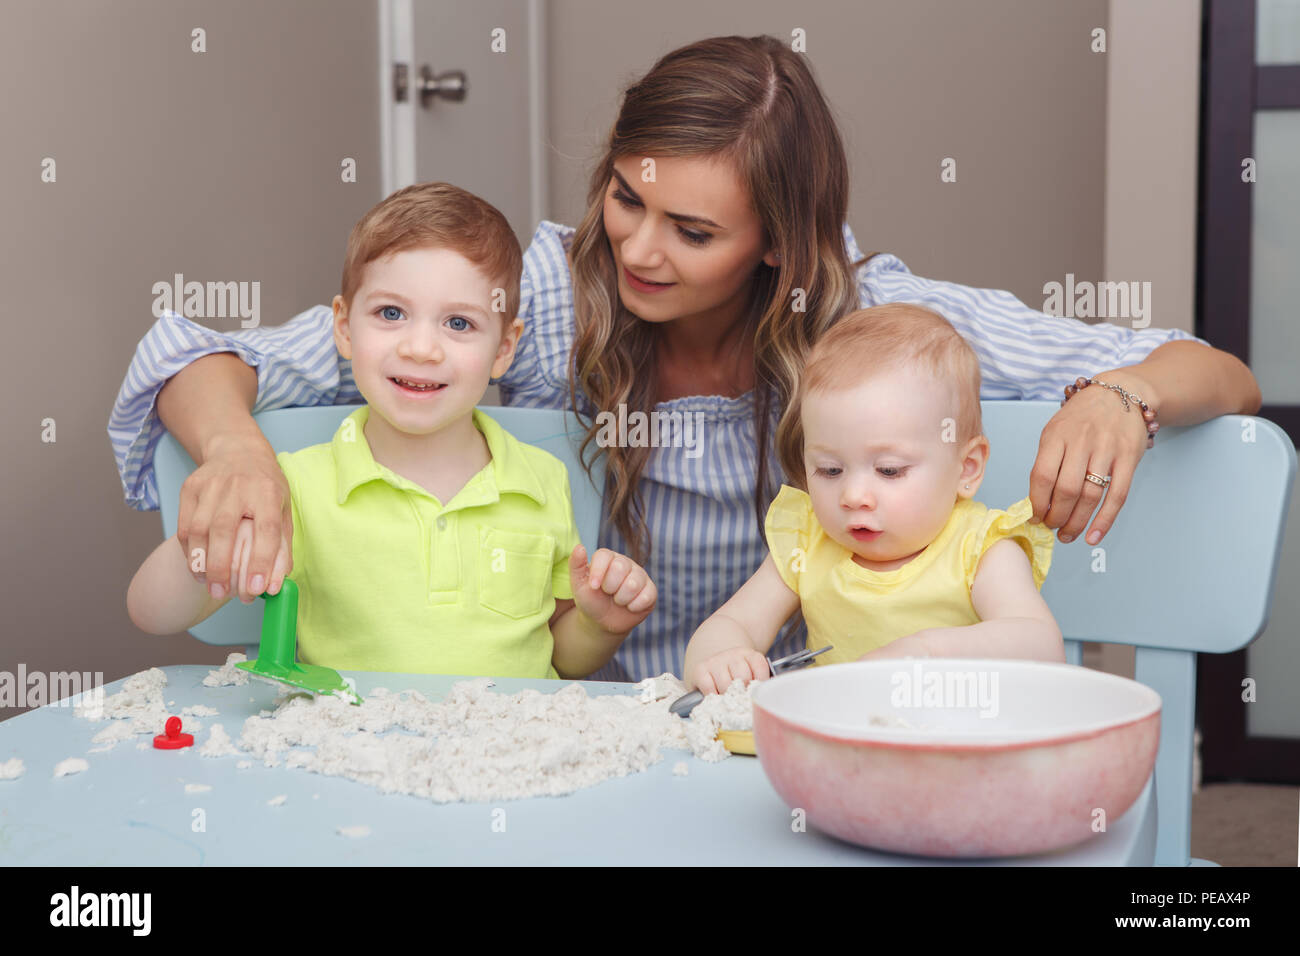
{"points": [[138, 708], [229, 674], [218, 743], [12, 769], [112, 735], [480, 745], [70, 766], [475, 745], [731, 710], [140, 701]]}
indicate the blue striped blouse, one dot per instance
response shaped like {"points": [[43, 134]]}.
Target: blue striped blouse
{"points": [[706, 542]]}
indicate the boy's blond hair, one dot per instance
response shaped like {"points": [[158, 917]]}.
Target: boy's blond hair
{"points": [[442, 216], [886, 337]]}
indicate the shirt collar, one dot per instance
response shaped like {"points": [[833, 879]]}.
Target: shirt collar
{"points": [[509, 471]]}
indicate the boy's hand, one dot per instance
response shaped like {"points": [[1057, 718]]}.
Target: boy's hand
{"points": [[614, 591], [242, 559], [714, 675], [238, 477]]}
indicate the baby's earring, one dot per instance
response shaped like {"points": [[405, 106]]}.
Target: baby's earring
{"points": [[968, 487]]}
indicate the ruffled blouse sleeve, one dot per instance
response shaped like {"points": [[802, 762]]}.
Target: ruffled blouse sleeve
{"points": [[789, 526], [1036, 540]]}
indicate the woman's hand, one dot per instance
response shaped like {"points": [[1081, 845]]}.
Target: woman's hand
{"points": [[614, 591], [1091, 433], [238, 479]]}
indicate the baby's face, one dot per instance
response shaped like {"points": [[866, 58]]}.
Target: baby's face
{"points": [[882, 479], [423, 338]]}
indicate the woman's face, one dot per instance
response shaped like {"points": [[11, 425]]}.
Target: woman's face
{"points": [[691, 229]]}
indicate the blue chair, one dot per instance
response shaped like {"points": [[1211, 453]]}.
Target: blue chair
{"points": [[1189, 567]]}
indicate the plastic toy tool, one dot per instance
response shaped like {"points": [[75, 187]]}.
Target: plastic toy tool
{"points": [[276, 654], [172, 738]]}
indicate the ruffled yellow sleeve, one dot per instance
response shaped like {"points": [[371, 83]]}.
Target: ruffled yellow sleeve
{"points": [[788, 527], [1036, 540]]}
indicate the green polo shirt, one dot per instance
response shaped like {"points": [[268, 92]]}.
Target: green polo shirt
{"points": [[391, 579]]}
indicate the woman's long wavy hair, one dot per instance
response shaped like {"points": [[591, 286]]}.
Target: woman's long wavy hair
{"points": [[753, 102]]}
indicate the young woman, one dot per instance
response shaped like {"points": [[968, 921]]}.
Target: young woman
{"points": [[711, 257]]}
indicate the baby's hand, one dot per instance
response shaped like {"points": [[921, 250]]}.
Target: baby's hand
{"points": [[714, 675], [614, 591], [243, 554]]}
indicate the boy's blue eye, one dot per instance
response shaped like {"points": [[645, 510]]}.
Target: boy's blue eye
{"points": [[826, 472], [892, 471], [391, 308], [460, 318]]}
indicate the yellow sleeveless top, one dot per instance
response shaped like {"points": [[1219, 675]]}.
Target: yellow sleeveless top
{"points": [[857, 609]]}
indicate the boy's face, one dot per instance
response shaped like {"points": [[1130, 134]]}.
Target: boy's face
{"points": [[423, 338], [877, 461]]}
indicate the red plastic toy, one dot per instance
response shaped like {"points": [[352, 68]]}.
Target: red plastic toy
{"points": [[173, 739]]}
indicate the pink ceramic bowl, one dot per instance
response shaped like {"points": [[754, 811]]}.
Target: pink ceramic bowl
{"points": [[957, 758]]}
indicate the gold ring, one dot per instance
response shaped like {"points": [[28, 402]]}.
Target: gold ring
{"points": [[1098, 479]]}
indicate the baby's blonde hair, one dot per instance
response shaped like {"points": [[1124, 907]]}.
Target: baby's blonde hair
{"points": [[887, 337]]}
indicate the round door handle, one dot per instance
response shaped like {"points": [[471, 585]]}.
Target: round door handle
{"points": [[450, 85]]}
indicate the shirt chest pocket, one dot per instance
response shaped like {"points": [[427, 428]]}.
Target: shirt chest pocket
{"points": [[514, 571]]}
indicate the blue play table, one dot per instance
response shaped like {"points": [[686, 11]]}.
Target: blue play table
{"points": [[131, 808]]}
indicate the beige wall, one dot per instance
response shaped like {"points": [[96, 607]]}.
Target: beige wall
{"points": [[221, 166], [1006, 87], [1152, 130]]}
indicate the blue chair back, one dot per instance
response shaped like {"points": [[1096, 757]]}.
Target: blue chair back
{"points": [[1190, 566]]}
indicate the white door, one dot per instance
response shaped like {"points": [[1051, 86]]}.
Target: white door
{"points": [[489, 139]]}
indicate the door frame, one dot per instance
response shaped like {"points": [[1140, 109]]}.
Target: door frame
{"points": [[397, 121], [1233, 87]]}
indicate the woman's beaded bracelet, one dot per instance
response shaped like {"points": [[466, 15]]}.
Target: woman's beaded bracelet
{"points": [[1148, 414]]}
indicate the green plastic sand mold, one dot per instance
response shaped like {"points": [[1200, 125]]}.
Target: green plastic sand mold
{"points": [[279, 648]]}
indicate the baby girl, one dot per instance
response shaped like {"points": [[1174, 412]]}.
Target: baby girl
{"points": [[886, 552]]}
